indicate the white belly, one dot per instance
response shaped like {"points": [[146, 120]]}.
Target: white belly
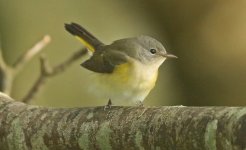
{"points": [[129, 84]]}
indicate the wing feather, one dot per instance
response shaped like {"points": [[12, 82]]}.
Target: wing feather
{"points": [[105, 61]]}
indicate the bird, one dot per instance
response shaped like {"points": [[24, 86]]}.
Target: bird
{"points": [[125, 71]]}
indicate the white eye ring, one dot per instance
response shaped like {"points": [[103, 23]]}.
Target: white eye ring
{"points": [[152, 50]]}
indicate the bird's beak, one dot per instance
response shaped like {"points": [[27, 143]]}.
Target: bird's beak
{"points": [[168, 55]]}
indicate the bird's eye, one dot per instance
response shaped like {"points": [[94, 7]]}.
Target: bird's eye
{"points": [[153, 51]]}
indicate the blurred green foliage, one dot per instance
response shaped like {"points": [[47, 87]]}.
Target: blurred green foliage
{"points": [[207, 36]]}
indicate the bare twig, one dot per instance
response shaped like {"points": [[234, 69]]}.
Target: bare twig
{"points": [[44, 65], [29, 54], [48, 71], [2, 62], [3, 65], [45, 70], [8, 73]]}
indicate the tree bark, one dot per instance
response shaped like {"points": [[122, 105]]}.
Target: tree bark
{"points": [[24, 127]]}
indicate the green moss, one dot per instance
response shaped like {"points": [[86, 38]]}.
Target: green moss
{"points": [[210, 135], [37, 139], [103, 136], [90, 115], [84, 138], [240, 113], [16, 137], [138, 139]]}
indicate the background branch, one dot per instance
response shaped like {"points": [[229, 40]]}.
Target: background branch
{"points": [[29, 54], [6, 75], [31, 127], [8, 72], [2, 62], [48, 71]]}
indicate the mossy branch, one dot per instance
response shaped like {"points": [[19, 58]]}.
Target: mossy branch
{"points": [[25, 127]]}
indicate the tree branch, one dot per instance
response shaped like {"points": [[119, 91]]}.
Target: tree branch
{"points": [[32, 127], [2, 62], [8, 73], [29, 54], [47, 71]]}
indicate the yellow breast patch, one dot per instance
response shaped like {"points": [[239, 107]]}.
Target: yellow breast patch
{"points": [[139, 76], [122, 73]]}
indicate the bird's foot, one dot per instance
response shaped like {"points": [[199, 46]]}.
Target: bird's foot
{"points": [[109, 104]]}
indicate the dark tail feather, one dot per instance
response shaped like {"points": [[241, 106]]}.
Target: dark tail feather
{"points": [[77, 30]]}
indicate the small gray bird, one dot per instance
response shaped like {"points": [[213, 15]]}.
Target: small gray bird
{"points": [[124, 71]]}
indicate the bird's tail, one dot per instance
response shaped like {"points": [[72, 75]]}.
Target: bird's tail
{"points": [[89, 40]]}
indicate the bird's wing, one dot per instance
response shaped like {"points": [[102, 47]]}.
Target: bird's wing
{"points": [[89, 40], [105, 62]]}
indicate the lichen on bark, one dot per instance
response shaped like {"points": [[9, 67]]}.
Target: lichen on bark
{"points": [[25, 127]]}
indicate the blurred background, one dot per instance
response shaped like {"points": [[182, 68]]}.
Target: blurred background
{"points": [[209, 37]]}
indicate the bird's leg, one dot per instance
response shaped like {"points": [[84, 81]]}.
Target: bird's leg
{"points": [[109, 104]]}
